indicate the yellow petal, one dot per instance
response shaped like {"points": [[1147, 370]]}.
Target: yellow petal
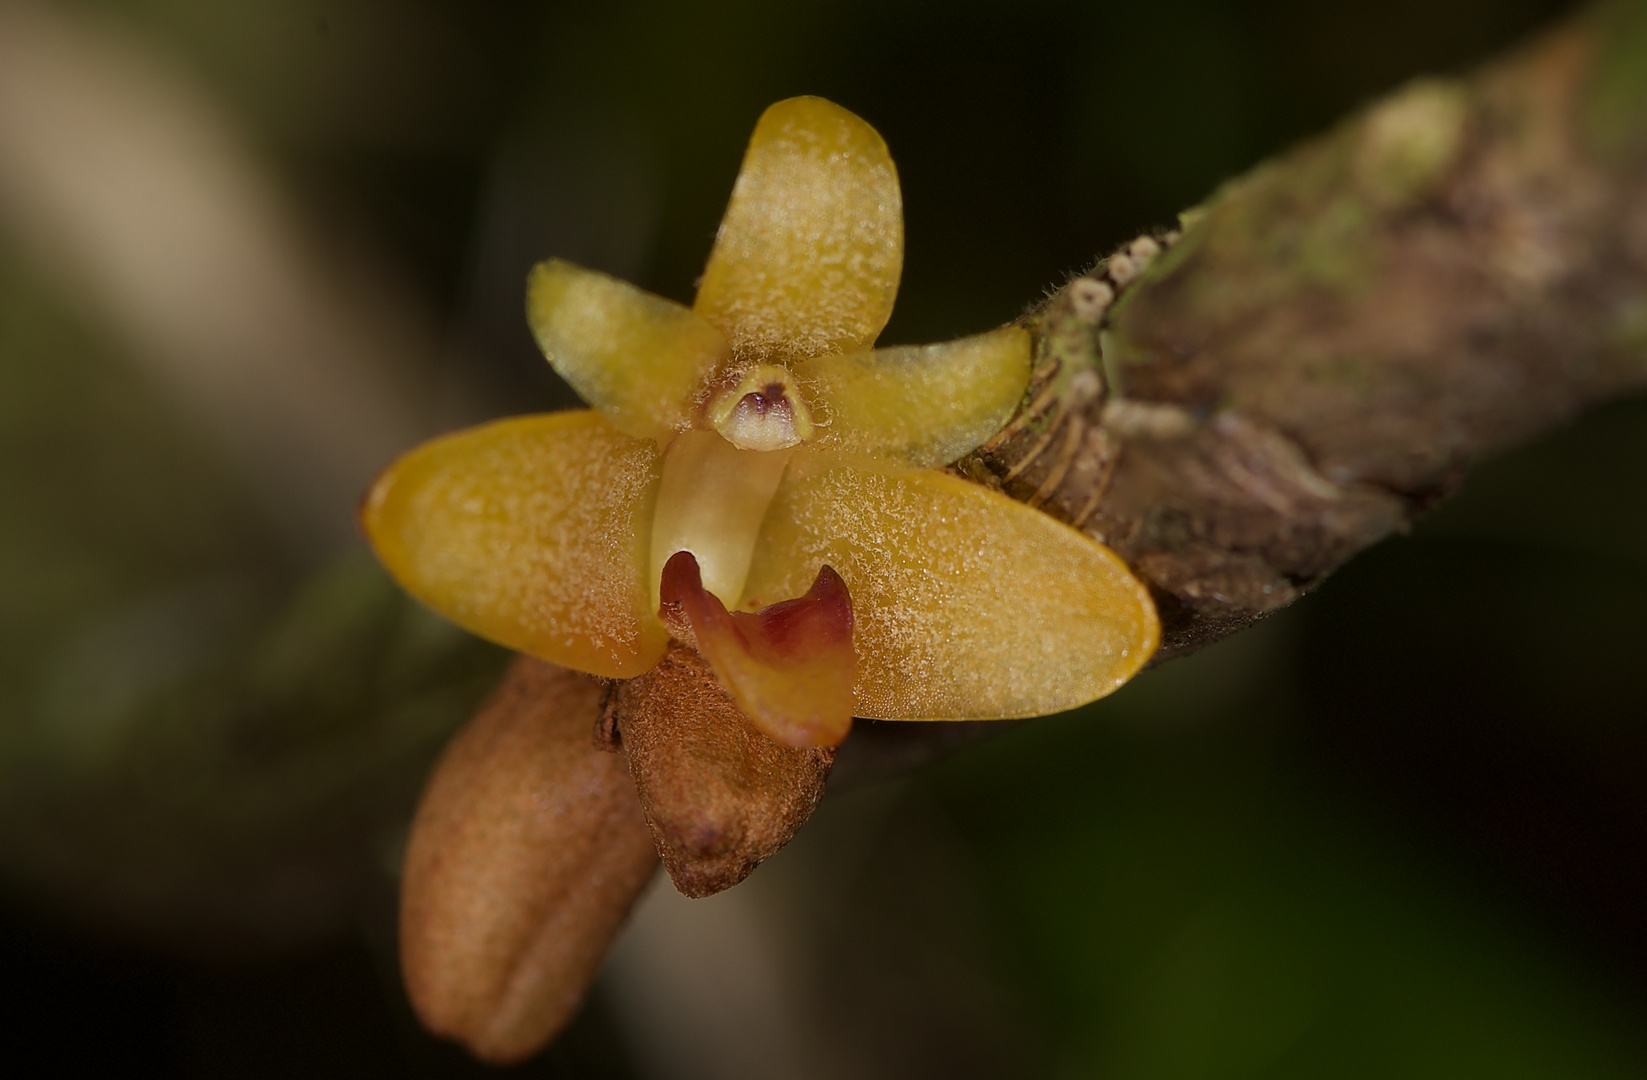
{"points": [[642, 360], [924, 404], [967, 605], [810, 250], [530, 532]]}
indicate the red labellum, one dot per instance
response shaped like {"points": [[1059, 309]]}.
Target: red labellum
{"points": [[790, 666]]}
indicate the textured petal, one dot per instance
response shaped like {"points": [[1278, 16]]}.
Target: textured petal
{"points": [[924, 404], [642, 360], [530, 532], [810, 250], [967, 605]]}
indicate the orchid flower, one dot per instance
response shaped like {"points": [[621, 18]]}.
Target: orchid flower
{"points": [[750, 533], [829, 569]]}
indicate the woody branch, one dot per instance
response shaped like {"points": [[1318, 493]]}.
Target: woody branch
{"points": [[1330, 342]]}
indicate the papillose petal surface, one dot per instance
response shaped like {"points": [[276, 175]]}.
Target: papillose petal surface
{"points": [[639, 358], [967, 605], [923, 404], [810, 250], [531, 532]]}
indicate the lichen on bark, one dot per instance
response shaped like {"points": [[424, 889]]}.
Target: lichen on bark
{"points": [[1332, 340]]}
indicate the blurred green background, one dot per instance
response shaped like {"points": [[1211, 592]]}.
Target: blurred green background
{"points": [[249, 251]]}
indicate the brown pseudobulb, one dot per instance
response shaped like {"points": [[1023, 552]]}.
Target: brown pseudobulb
{"points": [[527, 851], [720, 796]]}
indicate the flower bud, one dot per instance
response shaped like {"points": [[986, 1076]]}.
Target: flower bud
{"points": [[526, 853]]}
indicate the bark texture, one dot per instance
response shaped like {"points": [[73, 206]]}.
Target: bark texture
{"points": [[1329, 343]]}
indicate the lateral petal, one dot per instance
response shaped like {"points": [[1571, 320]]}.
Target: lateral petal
{"points": [[531, 532], [642, 360], [810, 250], [967, 605], [924, 404]]}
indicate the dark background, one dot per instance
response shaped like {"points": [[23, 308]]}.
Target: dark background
{"points": [[1398, 830]]}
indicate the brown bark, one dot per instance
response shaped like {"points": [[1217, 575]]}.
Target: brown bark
{"points": [[1329, 343]]}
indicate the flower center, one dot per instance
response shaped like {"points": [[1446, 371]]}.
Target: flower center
{"points": [[717, 484], [710, 502], [762, 411]]}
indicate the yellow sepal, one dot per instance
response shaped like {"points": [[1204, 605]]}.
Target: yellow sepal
{"points": [[810, 250], [967, 605], [531, 532]]}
